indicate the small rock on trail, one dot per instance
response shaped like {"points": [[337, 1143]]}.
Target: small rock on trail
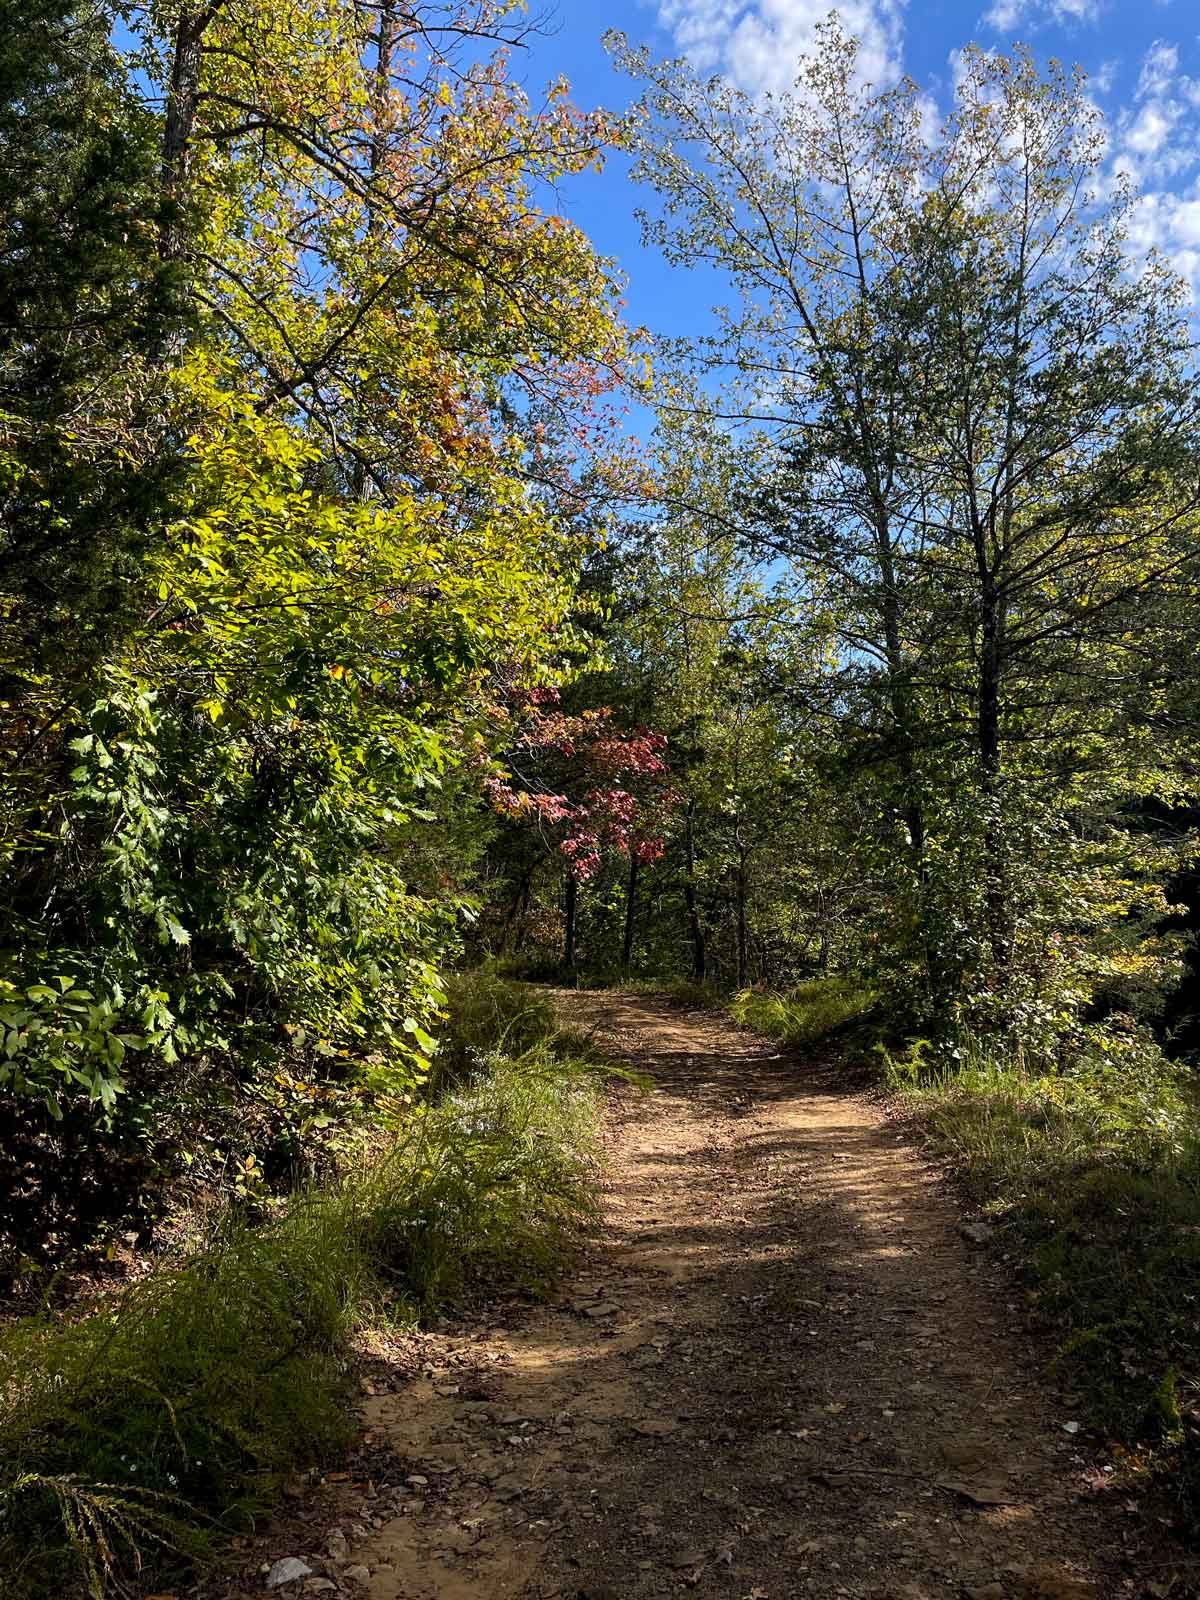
{"points": [[289, 1569]]}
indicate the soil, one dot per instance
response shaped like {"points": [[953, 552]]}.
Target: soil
{"points": [[785, 1369]]}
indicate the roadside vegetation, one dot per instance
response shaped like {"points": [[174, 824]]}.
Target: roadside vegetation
{"points": [[1091, 1182], [808, 1013], [135, 1432], [349, 640]]}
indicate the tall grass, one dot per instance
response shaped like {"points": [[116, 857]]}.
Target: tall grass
{"points": [[138, 1433], [1092, 1177], [810, 1011]]}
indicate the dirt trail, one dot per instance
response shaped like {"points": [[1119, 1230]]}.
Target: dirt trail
{"points": [[783, 1372]]}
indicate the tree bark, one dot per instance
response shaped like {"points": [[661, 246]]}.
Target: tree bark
{"points": [[990, 768], [743, 971], [695, 926], [570, 913], [630, 913], [183, 98], [898, 697]]}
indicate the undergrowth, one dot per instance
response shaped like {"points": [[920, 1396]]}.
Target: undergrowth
{"points": [[1092, 1176], [134, 1435], [807, 1012]]}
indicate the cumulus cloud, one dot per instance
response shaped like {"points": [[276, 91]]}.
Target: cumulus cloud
{"points": [[1153, 140], [1155, 145], [1005, 15], [758, 45]]}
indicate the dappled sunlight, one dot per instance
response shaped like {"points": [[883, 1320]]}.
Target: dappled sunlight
{"points": [[779, 1365]]}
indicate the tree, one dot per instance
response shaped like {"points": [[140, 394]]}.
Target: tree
{"points": [[970, 426], [592, 788], [221, 927], [82, 304]]}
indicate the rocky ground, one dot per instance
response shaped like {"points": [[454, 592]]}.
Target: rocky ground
{"points": [[787, 1368]]}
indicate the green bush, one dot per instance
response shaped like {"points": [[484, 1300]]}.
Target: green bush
{"points": [[128, 1435], [806, 1013]]}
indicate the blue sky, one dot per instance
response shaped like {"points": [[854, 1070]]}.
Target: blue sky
{"points": [[1142, 58]]}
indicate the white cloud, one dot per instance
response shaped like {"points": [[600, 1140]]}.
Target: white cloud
{"points": [[1151, 129], [1156, 146], [758, 45], [1159, 66], [1005, 15], [1105, 76]]}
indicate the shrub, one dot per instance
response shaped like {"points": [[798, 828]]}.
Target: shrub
{"points": [[126, 1434], [806, 1013]]}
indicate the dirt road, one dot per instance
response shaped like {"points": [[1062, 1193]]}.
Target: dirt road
{"points": [[782, 1372]]}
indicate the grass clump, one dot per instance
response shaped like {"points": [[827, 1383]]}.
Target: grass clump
{"points": [[806, 1013], [496, 1178], [124, 1433], [489, 1017], [134, 1435], [1093, 1175]]}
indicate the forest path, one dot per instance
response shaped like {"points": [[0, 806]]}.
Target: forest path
{"points": [[782, 1372]]}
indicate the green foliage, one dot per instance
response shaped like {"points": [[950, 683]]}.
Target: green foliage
{"points": [[1094, 1175], [807, 1013], [272, 557], [488, 1013], [497, 1177], [136, 1431], [84, 302], [919, 539], [182, 1400]]}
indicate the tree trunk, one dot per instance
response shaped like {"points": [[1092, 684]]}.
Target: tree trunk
{"points": [[899, 702], [997, 889], [182, 100], [516, 908], [630, 911], [695, 927], [570, 910], [743, 971]]}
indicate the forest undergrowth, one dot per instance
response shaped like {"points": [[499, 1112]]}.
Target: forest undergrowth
{"points": [[136, 1433]]}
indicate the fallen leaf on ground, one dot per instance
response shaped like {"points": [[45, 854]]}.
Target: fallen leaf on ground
{"points": [[686, 1558], [981, 1494]]}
